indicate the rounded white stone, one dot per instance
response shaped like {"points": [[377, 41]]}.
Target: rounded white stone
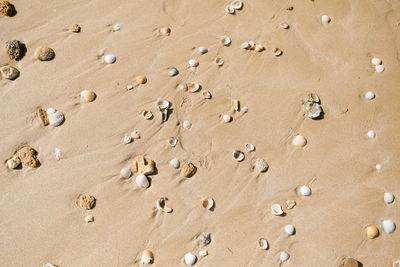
{"points": [[245, 109], [289, 229], [325, 19], [284, 256], [378, 167], [388, 226], [380, 68], [376, 61], [127, 139], [226, 118], [190, 259], [388, 197], [125, 173], [173, 72], [174, 163], [371, 134], [110, 59], [203, 49], [186, 124], [56, 119], [142, 181], [305, 190], [50, 111], [116, 27], [193, 63], [369, 95]]}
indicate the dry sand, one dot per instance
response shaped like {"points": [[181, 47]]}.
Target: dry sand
{"points": [[39, 219]]}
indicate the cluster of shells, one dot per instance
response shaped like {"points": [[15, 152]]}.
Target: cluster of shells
{"points": [[233, 7]]}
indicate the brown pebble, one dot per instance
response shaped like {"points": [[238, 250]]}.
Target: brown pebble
{"points": [[15, 49], [75, 28], [144, 166], [27, 155], [86, 201], [44, 53], [89, 218], [9, 72], [189, 169], [42, 114], [6, 8], [349, 262]]}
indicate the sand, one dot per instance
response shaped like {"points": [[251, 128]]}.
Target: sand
{"points": [[39, 219]]}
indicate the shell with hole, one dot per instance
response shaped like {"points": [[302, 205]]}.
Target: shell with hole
{"points": [[160, 204], [172, 141], [238, 155], [263, 243], [147, 114], [276, 209], [207, 203], [250, 147], [193, 87]]}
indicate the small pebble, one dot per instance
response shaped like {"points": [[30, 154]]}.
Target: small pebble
{"points": [[174, 163], [289, 229], [388, 197], [388, 226], [305, 190], [376, 61], [325, 19], [173, 72], [378, 167], [116, 27], [226, 118], [110, 59], [245, 109], [89, 218], [129, 87], [186, 124], [371, 231], [127, 139], [202, 49], [44, 53], [193, 63], [284, 256], [380, 68], [369, 95], [371, 134], [125, 173], [190, 259]]}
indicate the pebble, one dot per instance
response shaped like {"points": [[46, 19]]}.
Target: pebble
{"points": [[388, 197], [174, 163], [187, 124], [193, 63], [15, 49], [110, 59], [389, 226], [376, 61], [116, 27], [245, 109], [86, 201], [203, 253], [75, 28], [89, 218], [55, 118], [173, 72], [127, 139], [125, 173], [165, 31], [289, 229], [190, 259], [142, 181], [27, 156], [380, 68], [227, 118], [371, 231], [6, 8], [369, 95], [261, 165], [189, 169], [202, 49], [378, 167], [299, 141], [371, 134], [147, 257], [325, 19], [13, 162], [305, 190], [9, 72], [44, 53], [284, 256], [129, 87], [88, 95]]}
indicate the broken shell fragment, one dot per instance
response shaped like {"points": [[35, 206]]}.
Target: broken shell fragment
{"points": [[88, 95], [388, 226], [147, 257], [238, 155], [311, 106], [144, 166], [289, 229], [203, 253], [206, 94], [305, 190], [225, 40], [376, 61], [380, 68], [299, 141], [263, 243], [86, 201], [127, 139], [205, 239], [251, 45], [125, 173], [250, 147], [172, 141], [203, 49], [56, 118], [186, 124], [207, 203], [371, 231], [189, 169], [378, 167], [325, 19], [13, 162], [173, 72], [89, 218], [261, 165], [193, 63], [162, 104], [148, 115], [42, 114], [236, 4], [277, 52], [285, 26], [110, 59], [165, 31], [229, 9], [160, 204], [290, 204], [75, 28], [190, 259], [226, 118], [44, 53], [27, 156], [284, 256], [388, 197], [219, 61], [9, 72], [174, 163], [276, 209], [142, 181], [259, 48], [193, 87]]}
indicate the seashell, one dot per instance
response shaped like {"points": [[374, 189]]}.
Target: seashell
{"points": [[285, 26], [127, 139], [250, 147], [206, 94], [186, 124], [388, 197], [190, 259], [193, 87], [276, 209], [42, 116], [236, 105], [311, 106], [88, 95], [174, 163], [263, 243], [369, 95], [229, 9], [252, 45], [245, 109], [238, 155], [261, 165], [299, 141], [225, 40], [110, 59], [371, 231], [75, 28], [388, 226], [183, 86], [49, 265], [277, 52], [207, 203], [378, 167], [193, 63], [173, 72], [284, 256], [205, 239], [380, 68], [15, 49], [86, 201], [305, 190], [141, 79], [89, 218], [135, 134], [129, 87], [162, 104], [203, 49], [371, 134], [9, 72], [203, 253], [57, 153], [116, 27], [189, 169], [172, 141], [50, 111], [147, 257], [325, 19], [125, 173], [144, 166], [160, 204], [6, 8], [165, 31], [289, 229], [290, 204], [227, 118], [142, 181], [245, 45], [219, 61], [56, 119], [237, 4], [259, 48], [376, 61], [148, 115], [13, 162], [27, 156], [44, 53]]}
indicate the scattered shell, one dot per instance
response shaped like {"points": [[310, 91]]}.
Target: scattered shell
{"points": [[13, 162], [141, 79], [263, 243], [27, 156], [135, 134], [229, 9], [207, 203], [147, 257], [261, 165], [189, 169], [42, 114], [172, 141], [376, 61], [183, 86], [57, 153], [325, 19], [144, 166], [193, 63], [219, 61], [259, 48], [285, 26], [236, 105], [225, 40], [129, 87], [371, 134], [311, 106], [110, 59], [6, 8], [305, 190], [388, 197], [142, 181], [15, 49], [193, 87], [276, 209], [160, 204], [284, 256], [349, 262], [299, 141], [369, 95], [252, 45], [125, 173], [49, 265], [9, 72], [250, 147], [277, 52], [238, 155], [203, 253], [186, 124], [290, 204], [245, 109], [227, 118], [190, 259], [371, 231], [89, 218], [236, 4], [75, 28], [206, 94], [116, 27], [380, 68], [388, 226], [86, 201], [289, 229], [56, 118], [205, 239], [174, 163], [245, 45], [50, 111], [378, 167], [44, 53], [165, 31], [148, 115], [173, 72], [162, 104], [88, 95], [203, 49]]}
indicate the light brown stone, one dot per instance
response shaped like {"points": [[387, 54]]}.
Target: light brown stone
{"points": [[42, 114], [144, 166], [189, 169], [86, 201], [27, 155], [44, 53]]}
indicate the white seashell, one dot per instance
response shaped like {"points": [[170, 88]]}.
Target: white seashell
{"points": [[203, 49], [50, 111], [148, 115], [226, 118], [190, 259], [48, 265], [147, 257], [229, 9], [252, 45], [129, 87], [89, 218], [127, 139], [205, 239], [225, 40], [371, 134], [388, 226], [261, 165], [14, 162], [305, 190], [207, 203], [299, 141], [376, 61], [388, 197], [172, 141], [110, 59], [183, 86], [206, 94], [285, 26], [219, 61], [56, 119], [125, 173], [276, 209], [193, 63], [378, 167], [187, 124], [160, 205], [284, 256], [380, 68], [245, 109], [142, 181], [259, 48], [237, 4], [193, 87], [57, 153], [369, 95], [174, 163], [116, 27], [238, 155], [250, 147], [263, 243], [135, 134], [173, 72], [325, 19], [245, 45], [289, 229], [101, 52], [277, 52], [162, 104], [203, 253]]}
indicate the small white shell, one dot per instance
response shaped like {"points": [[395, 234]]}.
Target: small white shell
{"points": [[203, 49], [299, 141], [160, 205], [116, 27], [261, 165], [162, 104], [371, 134], [135, 134], [250, 147], [172, 141], [205, 239], [259, 48], [229, 9], [290, 204], [225, 40], [325, 19], [285, 26], [237, 4], [289, 229], [14, 162], [238, 155], [50, 111], [125, 173], [173, 72], [207, 203], [89, 218], [183, 86], [284, 256], [369, 95], [174, 163], [127, 139], [245, 109], [110, 59], [186, 124], [193, 63], [252, 45], [142, 181], [245, 45], [206, 94], [276, 209], [57, 153], [305, 190], [193, 87], [277, 52], [376, 61], [380, 68], [148, 115], [378, 167], [219, 61], [388, 226], [190, 259], [263, 243], [388, 197], [227, 118], [129, 87], [203, 253], [56, 119]]}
